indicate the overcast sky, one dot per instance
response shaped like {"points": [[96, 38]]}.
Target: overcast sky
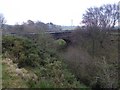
{"points": [[60, 12]]}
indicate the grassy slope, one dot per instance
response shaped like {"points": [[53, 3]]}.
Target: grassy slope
{"points": [[52, 74], [10, 79]]}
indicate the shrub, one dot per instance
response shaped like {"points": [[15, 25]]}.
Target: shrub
{"points": [[25, 53], [89, 47], [55, 75], [60, 43], [43, 58]]}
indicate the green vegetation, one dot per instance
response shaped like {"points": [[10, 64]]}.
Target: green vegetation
{"points": [[39, 59], [61, 44], [33, 59], [10, 79], [93, 58], [21, 51], [87, 62]]}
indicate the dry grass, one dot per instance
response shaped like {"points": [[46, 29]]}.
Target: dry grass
{"points": [[14, 77]]}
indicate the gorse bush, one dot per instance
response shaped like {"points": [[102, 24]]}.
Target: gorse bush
{"points": [[60, 44], [108, 74], [42, 59], [23, 51], [56, 75], [28, 53]]}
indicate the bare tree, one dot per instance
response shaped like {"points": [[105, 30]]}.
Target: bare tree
{"points": [[100, 18], [105, 16], [2, 20]]}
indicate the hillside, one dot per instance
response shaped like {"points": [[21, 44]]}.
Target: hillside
{"points": [[34, 67], [11, 78]]}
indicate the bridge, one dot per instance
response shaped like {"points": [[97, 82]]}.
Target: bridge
{"points": [[65, 35]]}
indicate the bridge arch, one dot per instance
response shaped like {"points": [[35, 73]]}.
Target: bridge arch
{"points": [[68, 41]]}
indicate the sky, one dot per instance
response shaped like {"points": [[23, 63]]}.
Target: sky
{"points": [[60, 12]]}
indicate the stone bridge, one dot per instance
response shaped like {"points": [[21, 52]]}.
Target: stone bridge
{"points": [[66, 35]]}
